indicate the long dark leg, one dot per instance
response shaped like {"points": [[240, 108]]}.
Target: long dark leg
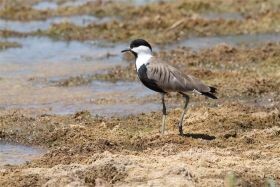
{"points": [[163, 114], [180, 126]]}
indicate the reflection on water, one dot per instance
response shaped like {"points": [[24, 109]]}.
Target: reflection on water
{"points": [[17, 154]]}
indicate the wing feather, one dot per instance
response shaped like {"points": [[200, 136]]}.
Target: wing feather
{"points": [[170, 79]]}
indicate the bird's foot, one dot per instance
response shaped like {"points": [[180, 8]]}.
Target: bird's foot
{"points": [[181, 133]]}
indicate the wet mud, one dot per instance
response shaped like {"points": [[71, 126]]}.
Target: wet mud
{"points": [[235, 136], [33, 26], [13, 154], [130, 151], [184, 20]]}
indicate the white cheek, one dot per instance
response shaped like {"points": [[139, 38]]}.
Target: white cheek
{"points": [[141, 49]]}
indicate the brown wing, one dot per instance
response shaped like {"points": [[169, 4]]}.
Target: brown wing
{"points": [[171, 79]]}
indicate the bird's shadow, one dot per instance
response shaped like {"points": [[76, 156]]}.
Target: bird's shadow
{"points": [[199, 136]]}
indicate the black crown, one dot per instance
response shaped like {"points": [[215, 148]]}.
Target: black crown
{"points": [[139, 42]]}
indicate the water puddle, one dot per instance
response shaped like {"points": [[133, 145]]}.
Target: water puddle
{"points": [[46, 59], [269, 100], [141, 2], [110, 99], [250, 40], [44, 5], [31, 26], [14, 154], [223, 15], [100, 98], [41, 56]]}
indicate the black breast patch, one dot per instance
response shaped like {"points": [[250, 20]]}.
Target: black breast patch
{"points": [[150, 83]]}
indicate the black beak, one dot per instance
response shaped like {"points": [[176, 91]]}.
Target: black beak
{"points": [[125, 50]]}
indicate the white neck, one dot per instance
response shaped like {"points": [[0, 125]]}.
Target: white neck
{"points": [[142, 58]]}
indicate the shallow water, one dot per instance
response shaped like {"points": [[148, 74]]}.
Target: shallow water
{"points": [[17, 154], [44, 5], [116, 99], [141, 2], [223, 15], [99, 97], [26, 74], [41, 56], [31, 26], [250, 40], [76, 3]]}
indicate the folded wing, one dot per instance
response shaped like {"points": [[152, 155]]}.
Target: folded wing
{"points": [[171, 79]]}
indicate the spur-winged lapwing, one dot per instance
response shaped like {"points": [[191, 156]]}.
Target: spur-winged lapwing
{"points": [[164, 78]]}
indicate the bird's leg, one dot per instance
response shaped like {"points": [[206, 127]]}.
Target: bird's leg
{"points": [[180, 126], [163, 114]]}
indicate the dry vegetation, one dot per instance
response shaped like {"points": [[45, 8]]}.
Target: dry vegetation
{"points": [[228, 142], [6, 45], [232, 139], [184, 19]]}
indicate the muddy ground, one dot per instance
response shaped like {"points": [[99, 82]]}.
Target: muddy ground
{"points": [[238, 133], [185, 18], [232, 141]]}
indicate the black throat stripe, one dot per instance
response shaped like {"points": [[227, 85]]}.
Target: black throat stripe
{"points": [[150, 83]]}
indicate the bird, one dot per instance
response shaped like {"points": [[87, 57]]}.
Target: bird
{"points": [[164, 78]]}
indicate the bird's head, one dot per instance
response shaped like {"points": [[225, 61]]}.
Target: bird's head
{"points": [[138, 47]]}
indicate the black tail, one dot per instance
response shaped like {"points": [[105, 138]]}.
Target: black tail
{"points": [[211, 93]]}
